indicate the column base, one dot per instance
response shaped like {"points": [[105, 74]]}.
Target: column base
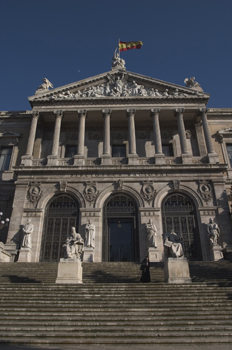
{"points": [[159, 159], [154, 254], [106, 159], [26, 160], [25, 255], [213, 158], [216, 253], [79, 160], [88, 255], [187, 158], [176, 270], [52, 160], [69, 271], [4, 255], [133, 159]]}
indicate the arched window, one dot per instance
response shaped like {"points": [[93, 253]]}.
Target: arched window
{"points": [[61, 214], [178, 213]]}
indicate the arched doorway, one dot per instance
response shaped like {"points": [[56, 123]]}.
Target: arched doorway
{"points": [[178, 213], [120, 234], [61, 214]]}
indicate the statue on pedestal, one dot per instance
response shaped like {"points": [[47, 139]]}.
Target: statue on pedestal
{"points": [[74, 245], [213, 233], [173, 244], [118, 62], [151, 234], [27, 230], [89, 235]]}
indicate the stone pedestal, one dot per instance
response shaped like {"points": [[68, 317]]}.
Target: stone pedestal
{"points": [[25, 255], [106, 160], [216, 253], [69, 271], [153, 254], [52, 160], [4, 255], [186, 159], [159, 159], [176, 270], [213, 158], [79, 160], [88, 254], [26, 160], [133, 159]]}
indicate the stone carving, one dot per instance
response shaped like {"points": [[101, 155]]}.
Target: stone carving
{"points": [[45, 86], [73, 246], [90, 192], [205, 191], [89, 234], [213, 233], [117, 62], [148, 192], [63, 186], [118, 85], [151, 234], [191, 83], [34, 193], [28, 229], [119, 185], [172, 243], [176, 184]]}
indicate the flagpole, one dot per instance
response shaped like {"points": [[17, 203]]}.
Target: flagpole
{"points": [[118, 48]]}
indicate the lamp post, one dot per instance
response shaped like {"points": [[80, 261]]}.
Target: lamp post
{"points": [[2, 222]]}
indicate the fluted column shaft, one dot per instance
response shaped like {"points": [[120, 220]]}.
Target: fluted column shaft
{"points": [[81, 133], [56, 135], [208, 139], [181, 129], [31, 139], [156, 130], [131, 127], [106, 136]]}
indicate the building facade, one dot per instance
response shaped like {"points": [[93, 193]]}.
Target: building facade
{"points": [[118, 149]]}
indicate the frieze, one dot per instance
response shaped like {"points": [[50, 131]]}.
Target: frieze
{"points": [[148, 192], [34, 193]]}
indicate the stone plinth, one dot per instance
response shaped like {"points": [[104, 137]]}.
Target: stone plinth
{"points": [[153, 254], [79, 160], [186, 159], [213, 158], [25, 255], [132, 159], [52, 160], [106, 160], [26, 160], [69, 271], [176, 270], [88, 254], [216, 253], [4, 255], [159, 159]]}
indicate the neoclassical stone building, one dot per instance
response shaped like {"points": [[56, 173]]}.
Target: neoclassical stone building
{"points": [[118, 149]]}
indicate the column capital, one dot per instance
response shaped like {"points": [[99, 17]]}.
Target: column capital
{"points": [[59, 113], [106, 111], [202, 111], [179, 111], [155, 111], [35, 114], [82, 112], [131, 111]]}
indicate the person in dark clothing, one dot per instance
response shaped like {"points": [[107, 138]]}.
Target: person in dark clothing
{"points": [[145, 266]]}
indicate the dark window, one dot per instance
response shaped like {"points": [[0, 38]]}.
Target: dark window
{"points": [[229, 151], [168, 150], [70, 151], [5, 158], [119, 151]]}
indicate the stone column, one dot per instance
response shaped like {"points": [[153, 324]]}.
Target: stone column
{"points": [[80, 157], [106, 156], [53, 158], [132, 156], [159, 156], [186, 156], [212, 156], [27, 159]]}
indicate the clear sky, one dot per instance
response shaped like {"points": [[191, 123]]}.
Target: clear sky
{"points": [[69, 40]]}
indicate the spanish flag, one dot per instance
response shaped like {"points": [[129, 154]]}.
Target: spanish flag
{"points": [[128, 45]]}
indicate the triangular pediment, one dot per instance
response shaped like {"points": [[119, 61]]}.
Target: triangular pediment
{"points": [[117, 84]]}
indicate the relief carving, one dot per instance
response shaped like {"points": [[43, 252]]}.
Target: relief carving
{"points": [[148, 192], [90, 192], [34, 193], [205, 190]]}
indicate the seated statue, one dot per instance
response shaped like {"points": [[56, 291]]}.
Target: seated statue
{"points": [[74, 245], [172, 242]]}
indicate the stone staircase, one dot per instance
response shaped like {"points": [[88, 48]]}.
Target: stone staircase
{"points": [[35, 310]]}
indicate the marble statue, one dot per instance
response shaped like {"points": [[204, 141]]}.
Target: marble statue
{"points": [[213, 233], [89, 235], [45, 86], [27, 230], [74, 245], [173, 243], [191, 83], [151, 234], [117, 61]]}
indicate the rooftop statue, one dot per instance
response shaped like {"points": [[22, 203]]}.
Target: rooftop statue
{"points": [[191, 83], [45, 86], [117, 62]]}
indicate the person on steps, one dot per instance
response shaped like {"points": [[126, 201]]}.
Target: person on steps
{"points": [[145, 266]]}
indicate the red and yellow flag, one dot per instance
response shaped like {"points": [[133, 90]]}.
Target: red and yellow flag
{"points": [[128, 45]]}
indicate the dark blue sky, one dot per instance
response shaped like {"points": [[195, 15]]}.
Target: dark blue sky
{"points": [[69, 40]]}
